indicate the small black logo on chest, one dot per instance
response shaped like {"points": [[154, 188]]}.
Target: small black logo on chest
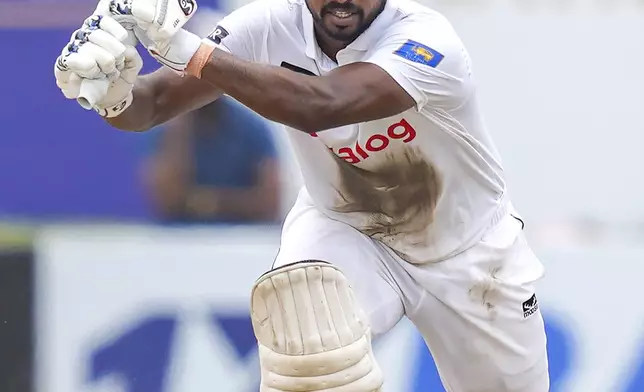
{"points": [[218, 34]]}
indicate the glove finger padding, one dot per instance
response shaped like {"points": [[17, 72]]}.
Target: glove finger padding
{"points": [[71, 88], [145, 11], [119, 94], [103, 49], [162, 19], [107, 24], [61, 72], [91, 61], [132, 65], [96, 47], [108, 42]]}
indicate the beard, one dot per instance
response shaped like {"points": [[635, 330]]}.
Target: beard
{"points": [[350, 33]]}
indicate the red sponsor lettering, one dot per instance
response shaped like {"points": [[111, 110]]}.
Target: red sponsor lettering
{"points": [[401, 130], [377, 143]]}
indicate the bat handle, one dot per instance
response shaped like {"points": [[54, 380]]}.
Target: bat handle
{"points": [[91, 92]]}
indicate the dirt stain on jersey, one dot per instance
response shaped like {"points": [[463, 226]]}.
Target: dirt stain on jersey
{"points": [[399, 196], [486, 292]]}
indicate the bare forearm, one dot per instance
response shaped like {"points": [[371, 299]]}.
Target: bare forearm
{"points": [[350, 94], [281, 95], [162, 96]]}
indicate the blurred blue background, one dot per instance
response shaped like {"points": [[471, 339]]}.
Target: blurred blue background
{"points": [[61, 162], [58, 161]]}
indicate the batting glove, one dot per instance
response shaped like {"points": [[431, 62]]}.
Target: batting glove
{"points": [[100, 56], [160, 29]]}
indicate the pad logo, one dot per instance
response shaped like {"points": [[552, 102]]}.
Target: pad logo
{"points": [[217, 35], [187, 6], [530, 306], [419, 53]]}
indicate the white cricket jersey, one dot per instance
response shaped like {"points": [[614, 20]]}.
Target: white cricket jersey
{"points": [[427, 182]]}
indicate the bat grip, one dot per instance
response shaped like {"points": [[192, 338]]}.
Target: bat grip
{"points": [[91, 92]]}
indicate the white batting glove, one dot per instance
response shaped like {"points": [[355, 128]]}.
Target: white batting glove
{"points": [[160, 30], [101, 52]]}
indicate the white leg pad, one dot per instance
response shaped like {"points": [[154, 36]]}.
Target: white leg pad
{"points": [[312, 334]]}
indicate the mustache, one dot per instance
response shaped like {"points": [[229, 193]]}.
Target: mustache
{"points": [[335, 6]]}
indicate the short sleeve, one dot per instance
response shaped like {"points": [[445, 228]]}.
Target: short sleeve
{"points": [[244, 31], [428, 60]]}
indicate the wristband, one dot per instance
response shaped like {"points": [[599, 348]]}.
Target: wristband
{"points": [[115, 110], [200, 58]]}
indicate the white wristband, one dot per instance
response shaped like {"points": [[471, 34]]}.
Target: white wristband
{"points": [[178, 52], [115, 110], [185, 44]]}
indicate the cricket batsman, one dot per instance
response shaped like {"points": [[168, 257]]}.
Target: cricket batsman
{"points": [[404, 210]]}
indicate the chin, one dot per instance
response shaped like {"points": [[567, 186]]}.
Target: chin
{"points": [[347, 34]]}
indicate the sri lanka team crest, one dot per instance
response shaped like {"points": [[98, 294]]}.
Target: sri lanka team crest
{"points": [[419, 53]]}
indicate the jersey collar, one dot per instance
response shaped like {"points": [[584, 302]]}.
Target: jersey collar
{"points": [[363, 42]]}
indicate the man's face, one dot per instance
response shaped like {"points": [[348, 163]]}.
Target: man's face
{"points": [[344, 20]]}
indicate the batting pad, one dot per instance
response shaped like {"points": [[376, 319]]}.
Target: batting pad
{"points": [[312, 334]]}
